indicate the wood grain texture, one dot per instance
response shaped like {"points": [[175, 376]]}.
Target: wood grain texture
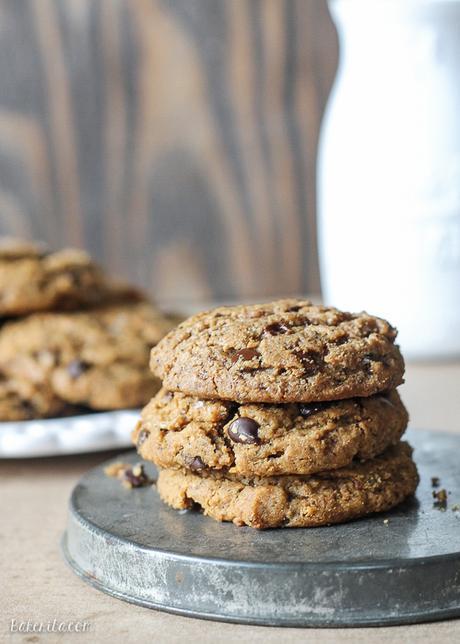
{"points": [[174, 139]]}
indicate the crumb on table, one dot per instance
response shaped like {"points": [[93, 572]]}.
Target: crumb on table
{"points": [[116, 469], [130, 476], [440, 497]]}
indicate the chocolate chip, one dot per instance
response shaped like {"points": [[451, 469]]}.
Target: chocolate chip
{"points": [[275, 455], [76, 276], [312, 361], [276, 328], [294, 309], [195, 464], [77, 367], [245, 354], [369, 359], [368, 327], [28, 408], [374, 357], [244, 430], [143, 435], [308, 409]]}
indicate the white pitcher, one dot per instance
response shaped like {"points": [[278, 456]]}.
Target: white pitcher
{"points": [[389, 170]]}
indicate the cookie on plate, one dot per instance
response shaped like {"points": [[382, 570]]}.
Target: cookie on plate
{"points": [[97, 359], [254, 439], [23, 400], [285, 351], [33, 279], [296, 501]]}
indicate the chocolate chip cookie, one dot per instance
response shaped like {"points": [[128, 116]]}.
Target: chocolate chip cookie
{"points": [[97, 358], [301, 501], [285, 351], [33, 279], [180, 431], [23, 400]]}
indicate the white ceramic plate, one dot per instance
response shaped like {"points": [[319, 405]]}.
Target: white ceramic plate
{"points": [[70, 435]]}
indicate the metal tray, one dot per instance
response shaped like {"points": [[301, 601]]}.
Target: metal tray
{"points": [[128, 544], [90, 432]]}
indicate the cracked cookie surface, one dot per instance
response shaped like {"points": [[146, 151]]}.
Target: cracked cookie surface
{"points": [[285, 351], [302, 501], [180, 431], [33, 279], [97, 359]]}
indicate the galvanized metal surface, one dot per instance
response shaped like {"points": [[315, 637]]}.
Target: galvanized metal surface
{"points": [[90, 432], [130, 545]]}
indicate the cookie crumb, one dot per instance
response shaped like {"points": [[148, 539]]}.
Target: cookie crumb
{"points": [[455, 508], [130, 476], [115, 470], [136, 477], [435, 481], [441, 500], [386, 521]]}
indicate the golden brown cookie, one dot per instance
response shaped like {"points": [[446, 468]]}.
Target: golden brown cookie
{"points": [[32, 279], [285, 351], [97, 358], [23, 400], [254, 439], [305, 501]]}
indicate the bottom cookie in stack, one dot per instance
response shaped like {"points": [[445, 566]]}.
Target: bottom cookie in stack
{"points": [[296, 501], [279, 465]]}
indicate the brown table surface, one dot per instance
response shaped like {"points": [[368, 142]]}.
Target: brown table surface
{"points": [[36, 585]]}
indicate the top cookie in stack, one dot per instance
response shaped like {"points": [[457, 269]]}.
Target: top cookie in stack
{"points": [[281, 414], [287, 351], [70, 337]]}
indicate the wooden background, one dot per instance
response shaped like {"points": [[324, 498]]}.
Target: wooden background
{"points": [[174, 139]]}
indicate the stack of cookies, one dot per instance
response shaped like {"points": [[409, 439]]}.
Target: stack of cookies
{"points": [[70, 339], [279, 415]]}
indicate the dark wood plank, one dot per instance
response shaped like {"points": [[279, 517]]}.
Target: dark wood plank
{"points": [[174, 139]]}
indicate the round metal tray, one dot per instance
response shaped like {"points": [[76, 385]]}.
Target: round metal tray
{"points": [[80, 434], [128, 544]]}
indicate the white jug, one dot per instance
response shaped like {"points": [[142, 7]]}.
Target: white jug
{"points": [[389, 170]]}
